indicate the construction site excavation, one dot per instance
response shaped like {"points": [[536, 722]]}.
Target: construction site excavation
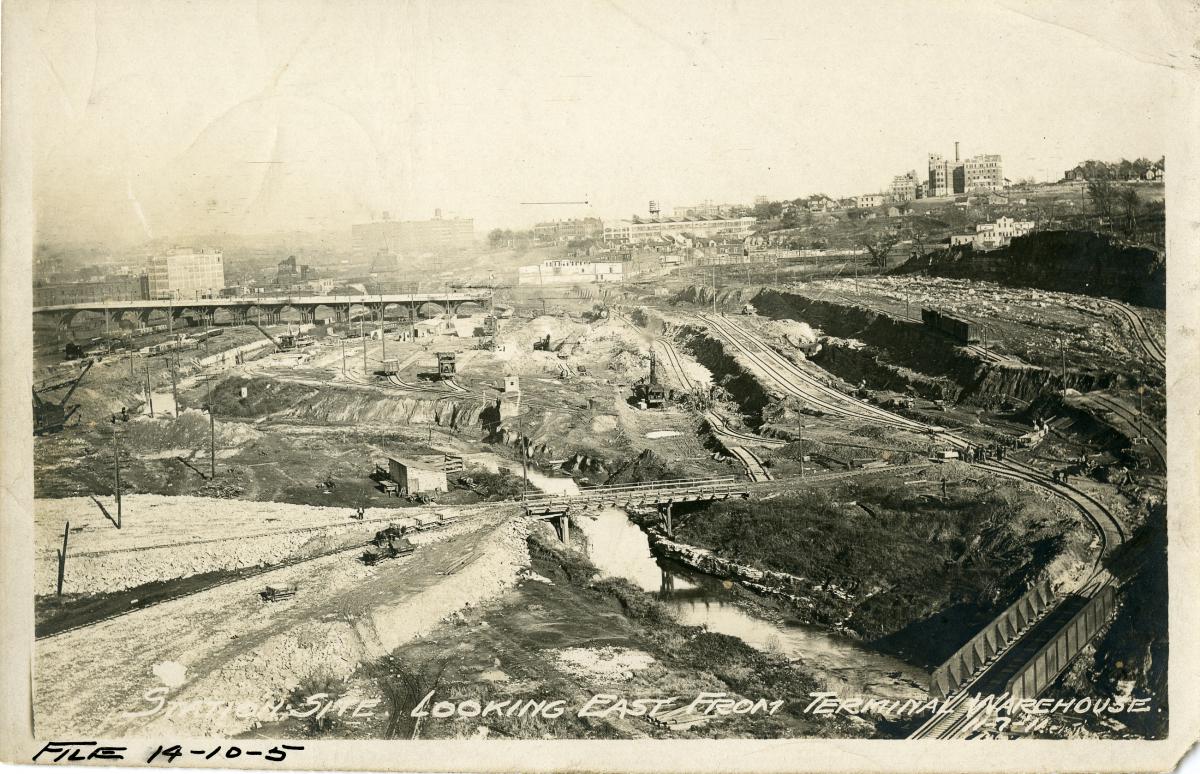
{"points": [[899, 488]]}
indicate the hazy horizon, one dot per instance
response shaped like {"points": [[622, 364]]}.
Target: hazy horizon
{"points": [[170, 120]]}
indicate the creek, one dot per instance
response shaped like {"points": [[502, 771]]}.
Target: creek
{"points": [[619, 548]]}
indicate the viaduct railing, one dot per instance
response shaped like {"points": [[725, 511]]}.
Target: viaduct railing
{"points": [[1041, 670], [994, 638]]}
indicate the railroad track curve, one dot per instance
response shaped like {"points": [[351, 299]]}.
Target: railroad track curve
{"points": [[1146, 340]]}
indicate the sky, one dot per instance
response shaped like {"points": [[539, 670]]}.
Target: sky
{"points": [[160, 120]]}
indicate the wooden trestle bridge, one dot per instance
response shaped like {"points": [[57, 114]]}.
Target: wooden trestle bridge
{"points": [[659, 494]]}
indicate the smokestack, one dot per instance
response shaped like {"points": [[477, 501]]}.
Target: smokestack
{"points": [[956, 151]]}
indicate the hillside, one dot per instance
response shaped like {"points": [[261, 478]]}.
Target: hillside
{"points": [[1082, 262]]}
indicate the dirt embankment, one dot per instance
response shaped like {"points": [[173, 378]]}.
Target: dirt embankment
{"points": [[740, 383], [176, 537], [1083, 262], [343, 406], [900, 354], [566, 634], [231, 648], [702, 295]]}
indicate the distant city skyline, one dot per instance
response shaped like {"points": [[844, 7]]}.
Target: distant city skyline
{"points": [[263, 123]]}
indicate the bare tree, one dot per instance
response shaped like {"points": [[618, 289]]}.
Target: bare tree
{"points": [[920, 237], [879, 245], [1131, 203], [1100, 190]]}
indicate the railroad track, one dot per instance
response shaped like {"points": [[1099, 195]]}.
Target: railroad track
{"points": [[788, 374], [754, 466], [1147, 341], [1107, 527], [1157, 438], [751, 461], [674, 362]]}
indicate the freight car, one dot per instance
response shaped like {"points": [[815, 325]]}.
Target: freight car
{"points": [[964, 331]]}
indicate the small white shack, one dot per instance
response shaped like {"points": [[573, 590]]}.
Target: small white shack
{"points": [[416, 476]]}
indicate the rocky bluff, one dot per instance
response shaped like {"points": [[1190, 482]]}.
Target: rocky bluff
{"points": [[1082, 262]]}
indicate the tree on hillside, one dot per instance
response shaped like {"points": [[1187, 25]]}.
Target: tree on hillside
{"points": [[879, 244], [768, 210], [498, 236], [1100, 190], [1131, 203], [920, 238]]}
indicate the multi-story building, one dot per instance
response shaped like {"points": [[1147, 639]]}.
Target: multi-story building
{"points": [[569, 230], [984, 172], [122, 288], [905, 187], [288, 273], [396, 237], [187, 274], [564, 272], [941, 176], [869, 200], [708, 210], [645, 230]]}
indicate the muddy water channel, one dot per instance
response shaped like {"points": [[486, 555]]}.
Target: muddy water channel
{"points": [[619, 548]]}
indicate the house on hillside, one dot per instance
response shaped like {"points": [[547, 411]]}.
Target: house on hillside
{"points": [[989, 236]]}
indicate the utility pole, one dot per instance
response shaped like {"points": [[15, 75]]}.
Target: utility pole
{"points": [[714, 268], [382, 330], [524, 457], [212, 443], [1062, 348], [343, 356], [800, 426], [62, 559], [175, 384], [362, 332], [117, 474], [149, 396]]}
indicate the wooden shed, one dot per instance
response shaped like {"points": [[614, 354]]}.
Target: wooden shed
{"points": [[416, 476]]}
